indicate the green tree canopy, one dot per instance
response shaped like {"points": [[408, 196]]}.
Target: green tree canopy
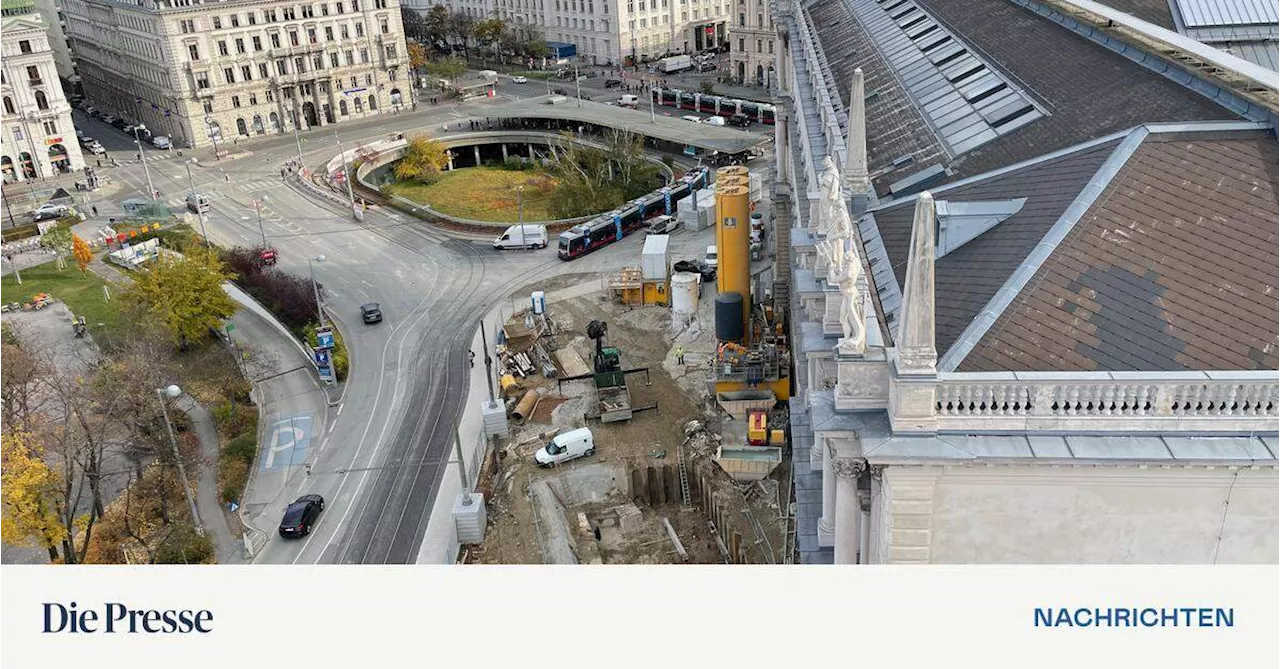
{"points": [[185, 294], [424, 159], [446, 68], [591, 179]]}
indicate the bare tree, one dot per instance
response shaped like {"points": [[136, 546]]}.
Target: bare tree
{"points": [[21, 379]]}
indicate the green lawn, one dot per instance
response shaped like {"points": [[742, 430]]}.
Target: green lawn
{"points": [[480, 193], [81, 292]]}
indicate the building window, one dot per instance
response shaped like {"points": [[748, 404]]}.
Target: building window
{"points": [[364, 55], [299, 65], [193, 50], [311, 35], [293, 37], [324, 9], [33, 75], [333, 60], [342, 30], [207, 105], [391, 51], [368, 80], [338, 6], [246, 73], [275, 40], [263, 73], [50, 127], [359, 29], [253, 18], [229, 74], [351, 58], [328, 32], [187, 26], [289, 14], [8, 106], [253, 98], [239, 45], [282, 66], [235, 101], [202, 80], [222, 48], [217, 23], [235, 20], [257, 43], [742, 20], [24, 46], [271, 97], [308, 12], [742, 45], [770, 46]]}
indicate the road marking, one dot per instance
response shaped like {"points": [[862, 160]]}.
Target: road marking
{"points": [[331, 426], [290, 438], [339, 413]]}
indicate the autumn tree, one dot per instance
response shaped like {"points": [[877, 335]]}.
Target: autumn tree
{"points": [[185, 294], [21, 378], [28, 488], [417, 55], [424, 159], [58, 240], [436, 24], [489, 32], [80, 249]]}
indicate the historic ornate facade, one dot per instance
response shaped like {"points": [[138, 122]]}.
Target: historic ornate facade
{"points": [[751, 43], [38, 137], [231, 71], [1014, 365]]}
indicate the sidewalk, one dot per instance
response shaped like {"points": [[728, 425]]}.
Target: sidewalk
{"points": [[226, 547]]}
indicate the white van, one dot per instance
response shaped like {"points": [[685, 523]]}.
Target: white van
{"points": [[710, 258], [197, 203], [714, 120], [565, 447], [522, 237], [488, 74], [632, 101]]}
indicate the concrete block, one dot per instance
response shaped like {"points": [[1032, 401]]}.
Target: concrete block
{"points": [[629, 518]]}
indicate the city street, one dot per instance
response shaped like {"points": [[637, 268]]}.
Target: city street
{"points": [[377, 453]]}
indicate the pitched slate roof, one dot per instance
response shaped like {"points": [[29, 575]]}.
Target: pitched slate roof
{"points": [[1084, 90], [1151, 11], [1173, 267], [968, 277]]}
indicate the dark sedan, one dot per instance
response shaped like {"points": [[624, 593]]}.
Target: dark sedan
{"points": [[702, 269], [300, 516], [371, 313]]}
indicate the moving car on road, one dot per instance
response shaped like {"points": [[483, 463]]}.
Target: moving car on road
{"points": [[519, 80], [108, 119], [522, 237], [161, 142], [371, 313], [612, 83], [632, 101], [49, 210], [740, 119], [714, 120], [301, 515], [692, 119]]}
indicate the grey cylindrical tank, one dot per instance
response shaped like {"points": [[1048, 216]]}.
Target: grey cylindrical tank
{"points": [[729, 317]]}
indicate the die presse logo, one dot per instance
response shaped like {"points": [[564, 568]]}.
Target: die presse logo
{"points": [[116, 618]]}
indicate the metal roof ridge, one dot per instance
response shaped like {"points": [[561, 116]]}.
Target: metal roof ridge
{"points": [[1021, 276], [1053, 155]]}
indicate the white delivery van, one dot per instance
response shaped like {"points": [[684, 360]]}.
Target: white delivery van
{"points": [[565, 447], [714, 120], [522, 237], [488, 74], [632, 101], [710, 258], [197, 202]]}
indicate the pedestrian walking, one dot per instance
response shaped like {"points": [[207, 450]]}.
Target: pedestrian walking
{"points": [[282, 174], [94, 208], [679, 355]]}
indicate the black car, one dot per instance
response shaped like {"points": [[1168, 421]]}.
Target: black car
{"points": [[560, 91], [612, 83], [371, 313], [740, 120], [300, 516], [707, 272]]}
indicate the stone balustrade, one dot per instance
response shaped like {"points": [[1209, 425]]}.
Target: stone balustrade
{"points": [[1142, 401]]}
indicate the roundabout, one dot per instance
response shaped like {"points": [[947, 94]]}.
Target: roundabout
{"points": [[489, 194]]}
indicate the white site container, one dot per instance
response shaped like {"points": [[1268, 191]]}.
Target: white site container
{"points": [[653, 259]]}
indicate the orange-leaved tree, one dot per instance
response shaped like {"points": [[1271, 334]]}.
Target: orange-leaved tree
{"points": [[80, 249]]}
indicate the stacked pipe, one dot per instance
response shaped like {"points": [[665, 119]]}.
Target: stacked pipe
{"points": [[733, 242]]}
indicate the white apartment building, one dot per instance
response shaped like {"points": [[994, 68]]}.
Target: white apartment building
{"points": [[751, 43], [230, 71], [37, 135], [611, 32]]}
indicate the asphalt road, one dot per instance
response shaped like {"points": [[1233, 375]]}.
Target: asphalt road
{"points": [[378, 452]]}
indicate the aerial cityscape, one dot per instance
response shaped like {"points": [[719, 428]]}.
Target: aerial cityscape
{"points": [[514, 282]]}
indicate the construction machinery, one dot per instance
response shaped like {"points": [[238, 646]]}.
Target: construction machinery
{"points": [[613, 396]]}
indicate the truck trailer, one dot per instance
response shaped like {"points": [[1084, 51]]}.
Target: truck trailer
{"points": [[674, 64]]}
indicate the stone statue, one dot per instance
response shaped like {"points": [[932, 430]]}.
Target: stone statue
{"points": [[829, 185], [852, 322]]}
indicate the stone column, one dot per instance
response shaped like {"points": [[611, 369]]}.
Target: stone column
{"points": [[531, 156], [477, 149], [827, 524], [504, 151], [848, 511]]}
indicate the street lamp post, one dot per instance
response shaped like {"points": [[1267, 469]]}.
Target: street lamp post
{"points": [[346, 178], [520, 213], [315, 286], [208, 123], [138, 140], [173, 392], [190, 180], [257, 206], [293, 114], [577, 85]]}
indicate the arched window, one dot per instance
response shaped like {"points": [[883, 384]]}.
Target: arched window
{"points": [[373, 102], [241, 127], [8, 106], [41, 101], [342, 107], [359, 104], [395, 96], [257, 124], [274, 119]]}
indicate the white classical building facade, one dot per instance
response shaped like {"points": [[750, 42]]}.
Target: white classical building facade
{"points": [[751, 43], [231, 71], [920, 463], [610, 32], [38, 137]]}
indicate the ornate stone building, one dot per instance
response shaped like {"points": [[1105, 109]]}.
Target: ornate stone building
{"points": [[236, 70], [1034, 314], [751, 43], [38, 137]]}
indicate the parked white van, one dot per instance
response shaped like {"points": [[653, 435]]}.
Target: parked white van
{"points": [[197, 202], [565, 447], [714, 120], [710, 258], [522, 237], [632, 101]]}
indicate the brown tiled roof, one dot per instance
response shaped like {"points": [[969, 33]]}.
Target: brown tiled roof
{"points": [[969, 276], [1173, 267]]}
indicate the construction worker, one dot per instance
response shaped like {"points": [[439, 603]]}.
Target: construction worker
{"points": [[679, 355]]}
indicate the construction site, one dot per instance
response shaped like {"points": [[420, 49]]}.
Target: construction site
{"points": [[681, 381]]}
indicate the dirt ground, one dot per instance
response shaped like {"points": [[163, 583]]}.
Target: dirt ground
{"points": [[534, 512]]}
